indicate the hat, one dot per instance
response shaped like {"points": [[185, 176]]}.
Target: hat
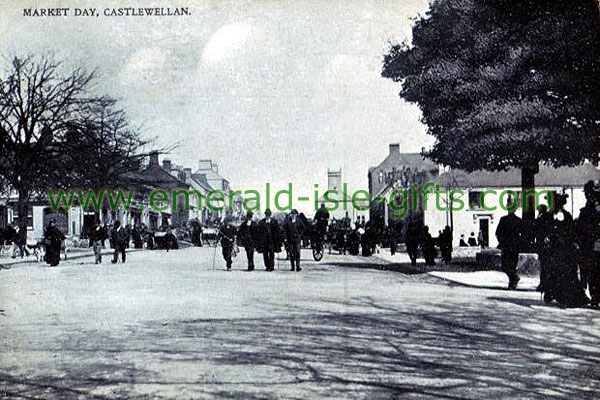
{"points": [[294, 211], [268, 212]]}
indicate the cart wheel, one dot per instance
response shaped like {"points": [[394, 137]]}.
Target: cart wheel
{"points": [[317, 254]]}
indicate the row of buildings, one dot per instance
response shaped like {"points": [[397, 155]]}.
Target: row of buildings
{"points": [[400, 171], [166, 176]]}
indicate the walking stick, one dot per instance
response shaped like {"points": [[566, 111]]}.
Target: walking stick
{"points": [[214, 255]]}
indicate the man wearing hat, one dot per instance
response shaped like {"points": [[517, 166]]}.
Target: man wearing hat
{"points": [[269, 240], [247, 238], [227, 235], [293, 228], [509, 233]]}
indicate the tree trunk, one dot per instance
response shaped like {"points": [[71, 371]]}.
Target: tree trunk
{"points": [[22, 213], [528, 185]]}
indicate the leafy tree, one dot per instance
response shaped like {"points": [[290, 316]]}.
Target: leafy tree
{"points": [[505, 83]]}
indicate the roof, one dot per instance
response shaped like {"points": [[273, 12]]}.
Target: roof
{"points": [[156, 176], [546, 177], [409, 159]]}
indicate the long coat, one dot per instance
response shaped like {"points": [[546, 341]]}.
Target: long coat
{"points": [[247, 234], [269, 236], [53, 238]]}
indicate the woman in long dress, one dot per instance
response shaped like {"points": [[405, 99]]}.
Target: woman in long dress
{"points": [[53, 238]]}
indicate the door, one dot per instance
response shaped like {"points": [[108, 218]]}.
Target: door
{"points": [[484, 228]]}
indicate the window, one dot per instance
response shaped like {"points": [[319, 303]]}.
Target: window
{"points": [[380, 176], [475, 200]]}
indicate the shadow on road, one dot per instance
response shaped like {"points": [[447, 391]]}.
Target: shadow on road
{"points": [[369, 350]]}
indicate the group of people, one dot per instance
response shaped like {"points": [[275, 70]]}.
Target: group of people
{"points": [[568, 250], [268, 237], [472, 241]]}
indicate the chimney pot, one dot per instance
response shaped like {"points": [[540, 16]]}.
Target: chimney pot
{"points": [[167, 165], [394, 148], [153, 159]]}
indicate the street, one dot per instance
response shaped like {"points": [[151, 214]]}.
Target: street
{"points": [[171, 325]]}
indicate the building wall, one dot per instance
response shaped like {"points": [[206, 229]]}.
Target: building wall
{"points": [[471, 219]]}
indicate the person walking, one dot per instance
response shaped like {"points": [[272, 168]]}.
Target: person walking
{"points": [[120, 241], [413, 238], [53, 238], [508, 234], [269, 240], [97, 235], [227, 236], [293, 228], [247, 238], [428, 245]]}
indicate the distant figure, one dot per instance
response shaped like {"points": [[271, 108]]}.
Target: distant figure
{"points": [[472, 240], [462, 242], [322, 219], [227, 236], [428, 245], [53, 238], [394, 231], [247, 238], [120, 241], [97, 235], [542, 227], [413, 238], [562, 282], [509, 241], [481, 239], [136, 234], [588, 237], [269, 240], [445, 240], [354, 240], [293, 228]]}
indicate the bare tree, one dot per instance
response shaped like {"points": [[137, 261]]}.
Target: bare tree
{"points": [[39, 105]]}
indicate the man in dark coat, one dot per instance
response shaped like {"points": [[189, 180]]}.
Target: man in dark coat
{"points": [[293, 228], [322, 219], [413, 238], [227, 236], [136, 234], [588, 238], [120, 240], [53, 238], [508, 234], [247, 238], [428, 245], [269, 240], [445, 240]]}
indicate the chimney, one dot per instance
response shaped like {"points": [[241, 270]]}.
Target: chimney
{"points": [[188, 173], [167, 165], [394, 148], [153, 159]]}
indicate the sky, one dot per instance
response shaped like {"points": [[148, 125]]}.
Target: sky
{"points": [[272, 91]]}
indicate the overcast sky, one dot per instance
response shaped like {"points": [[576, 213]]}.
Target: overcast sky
{"points": [[272, 90]]}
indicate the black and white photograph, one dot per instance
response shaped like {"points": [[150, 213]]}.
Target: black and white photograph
{"points": [[300, 199]]}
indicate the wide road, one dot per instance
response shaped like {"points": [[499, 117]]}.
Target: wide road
{"points": [[171, 325]]}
